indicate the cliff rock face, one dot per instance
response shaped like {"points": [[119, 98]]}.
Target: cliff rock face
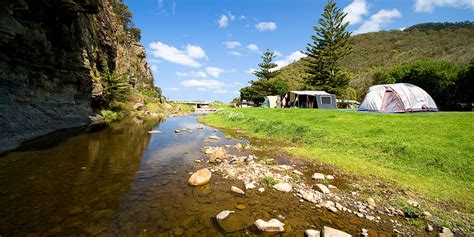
{"points": [[51, 52]]}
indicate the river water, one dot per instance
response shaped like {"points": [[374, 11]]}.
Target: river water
{"points": [[122, 181]]}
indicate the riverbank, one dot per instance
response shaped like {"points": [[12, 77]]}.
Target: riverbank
{"points": [[416, 156]]}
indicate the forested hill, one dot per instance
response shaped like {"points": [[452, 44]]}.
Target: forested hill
{"points": [[373, 52]]}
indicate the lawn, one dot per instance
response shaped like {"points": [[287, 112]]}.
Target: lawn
{"points": [[429, 153]]}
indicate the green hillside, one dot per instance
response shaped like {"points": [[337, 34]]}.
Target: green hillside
{"points": [[374, 52]]}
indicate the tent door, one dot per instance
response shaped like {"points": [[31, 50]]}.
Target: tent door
{"points": [[391, 103]]}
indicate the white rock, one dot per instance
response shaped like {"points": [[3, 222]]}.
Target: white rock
{"points": [[250, 186], [284, 187], [365, 232], [297, 172], [154, 132], [197, 161], [318, 176], [272, 225], [330, 206], [371, 202], [214, 137], [236, 190], [339, 206], [446, 233], [413, 203], [261, 190], [331, 232], [310, 195], [370, 218], [223, 214], [330, 186], [238, 146], [427, 214], [429, 228], [311, 233], [329, 177], [323, 188]]}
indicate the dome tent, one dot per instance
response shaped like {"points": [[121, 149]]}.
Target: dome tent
{"points": [[397, 98]]}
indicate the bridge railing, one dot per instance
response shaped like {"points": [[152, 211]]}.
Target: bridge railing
{"points": [[189, 101]]}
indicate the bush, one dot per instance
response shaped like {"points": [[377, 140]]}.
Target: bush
{"points": [[115, 86], [109, 116], [412, 212], [270, 181], [438, 78]]}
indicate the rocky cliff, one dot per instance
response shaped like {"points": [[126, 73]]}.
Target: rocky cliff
{"points": [[52, 54]]}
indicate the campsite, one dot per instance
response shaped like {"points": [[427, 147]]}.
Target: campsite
{"points": [[160, 118]]}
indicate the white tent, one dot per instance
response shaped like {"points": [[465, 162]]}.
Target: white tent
{"points": [[397, 98]]}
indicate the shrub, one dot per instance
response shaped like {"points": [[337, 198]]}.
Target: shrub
{"points": [[412, 212], [109, 116], [270, 181]]}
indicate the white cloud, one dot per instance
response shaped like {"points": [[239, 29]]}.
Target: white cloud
{"points": [[154, 68], [355, 11], [242, 17], [195, 51], [183, 57], [232, 44], [277, 53], [211, 71], [429, 5], [293, 57], [172, 89], [379, 19], [214, 71], [266, 26], [254, 48], [235, 53], [205, 85], [251, 71], [192, 74], [223, 22]]}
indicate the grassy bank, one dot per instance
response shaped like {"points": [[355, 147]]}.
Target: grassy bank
{"points": [[428, 153]]}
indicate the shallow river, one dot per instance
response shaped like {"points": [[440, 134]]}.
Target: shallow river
{"points": [[122, 181]]}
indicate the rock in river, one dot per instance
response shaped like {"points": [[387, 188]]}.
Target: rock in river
{"points": [[272, 225], [331, 232], [236, 190], [155, 132], [323, 188], [219, 153], [223, 214], [297, 172], [284, 187], [318, 176], [213, 137], [238, 146], [311, 233], [200, 177], [235, 221]]}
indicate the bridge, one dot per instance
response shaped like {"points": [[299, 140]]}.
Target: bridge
{"points": [[196, 103]]}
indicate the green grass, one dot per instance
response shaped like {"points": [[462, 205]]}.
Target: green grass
{"points": [[429, 153]]}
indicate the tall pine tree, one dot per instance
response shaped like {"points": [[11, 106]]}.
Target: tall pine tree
{"points": [[329, 45], [266, 66], [266, 83]]}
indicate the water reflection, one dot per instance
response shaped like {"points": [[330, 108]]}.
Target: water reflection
{"points": [[72, 187]]}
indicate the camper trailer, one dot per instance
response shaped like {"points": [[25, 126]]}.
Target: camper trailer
{"points": [[309, 99]]}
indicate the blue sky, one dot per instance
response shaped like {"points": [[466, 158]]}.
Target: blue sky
{"points": [[207, 49]]}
